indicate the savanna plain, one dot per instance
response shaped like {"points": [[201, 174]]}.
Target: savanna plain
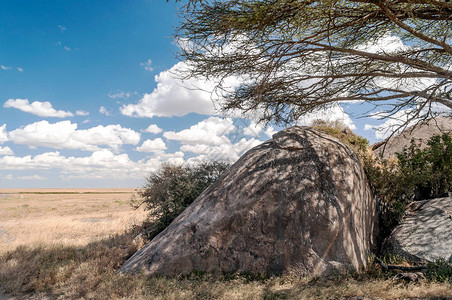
{"points": [[68, 244]]}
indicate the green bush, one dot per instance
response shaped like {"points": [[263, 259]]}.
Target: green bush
{"points": [[416, 174], [171, 189], [427, 172]]}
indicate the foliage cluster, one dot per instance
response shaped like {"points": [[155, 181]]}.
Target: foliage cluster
{"points": [[428, 172], [416, 174], [297, 56], [172, 188], [339, 130]]}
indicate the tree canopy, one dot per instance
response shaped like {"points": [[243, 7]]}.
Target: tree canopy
{"points": [[295, 56]]}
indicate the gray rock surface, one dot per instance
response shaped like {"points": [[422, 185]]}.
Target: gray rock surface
{"points": [[426, 233], [298, 202], [421, 133]]}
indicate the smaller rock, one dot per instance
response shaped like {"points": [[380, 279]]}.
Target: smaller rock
{"points": [[425, 234]]}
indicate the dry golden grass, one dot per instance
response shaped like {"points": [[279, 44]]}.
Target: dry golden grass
{"points": [[78, 260], [69, 217]]}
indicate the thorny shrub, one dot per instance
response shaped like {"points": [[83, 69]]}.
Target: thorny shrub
{"points": [[172, 188]]}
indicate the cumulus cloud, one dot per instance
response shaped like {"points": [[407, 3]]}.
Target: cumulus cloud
{"points": [[270, 131], [99, 165], [225, 152], [210, 131], [253, 129], [332, 113], [6, 151], [153, 128], [211, 140], [42, 109], [176, 97], [3, 134], [388, 43], [101, 158], [64, 135], [152, 146]]}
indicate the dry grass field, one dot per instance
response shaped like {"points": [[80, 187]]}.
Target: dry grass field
{"points": [[68, 244], [68, 217]]}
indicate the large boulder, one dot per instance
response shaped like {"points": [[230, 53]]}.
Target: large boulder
{"points": [[298, 202], [425, 234], [420, 132]]}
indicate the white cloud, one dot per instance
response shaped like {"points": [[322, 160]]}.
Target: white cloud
{"points": [[210, 131], [4, 67], [104, 111], [253, 129], [81, 113], [3, 134], [67, 48], [31, 177], [152, 146], [62, 28], [6, 151], [225, 152], [153, 128], [386, 44], [209, 138], [45, 134], [102, 159], [270, 131], [395, 123], [100, 164], [147, 65], [42, 109], [176, 97], [368, 127], [332, 113], [121, 94], [19, 69], [64, 135]]}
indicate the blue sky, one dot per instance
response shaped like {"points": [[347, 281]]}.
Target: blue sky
{"points": [[88, 97]]}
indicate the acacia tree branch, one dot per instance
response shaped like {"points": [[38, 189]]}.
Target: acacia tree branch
{"points": [[417, 63], [411, 30]]}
